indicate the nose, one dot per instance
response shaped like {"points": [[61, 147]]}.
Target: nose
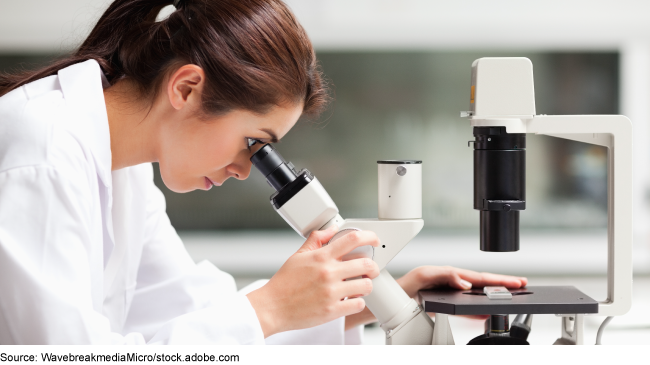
{"points": [[240, 169]]}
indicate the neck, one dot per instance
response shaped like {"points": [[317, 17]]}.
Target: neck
{"points": [[130, 124]]}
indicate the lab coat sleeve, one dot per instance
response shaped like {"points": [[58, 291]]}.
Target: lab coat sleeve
{"points": [[179, 302], [330, 333], [45, 249]]}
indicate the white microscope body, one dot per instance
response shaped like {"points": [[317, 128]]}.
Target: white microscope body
{"points": [[502, 94], [303, 202], [400, 219]]}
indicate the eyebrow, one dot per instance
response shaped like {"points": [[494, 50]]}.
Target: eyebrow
{"points": [[274, 138]]}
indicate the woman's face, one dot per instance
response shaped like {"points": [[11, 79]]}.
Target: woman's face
{"points": [[196, 153]]}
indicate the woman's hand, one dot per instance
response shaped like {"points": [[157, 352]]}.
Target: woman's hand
{"points": [[426, 277], [309, 288]]}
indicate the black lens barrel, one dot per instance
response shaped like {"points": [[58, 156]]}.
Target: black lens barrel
{"points": [[499, 323], [499, 186], [280, 174], [275, 169]]}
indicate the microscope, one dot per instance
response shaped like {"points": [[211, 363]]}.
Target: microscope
{"points": [[502, 111], [305, 205]]}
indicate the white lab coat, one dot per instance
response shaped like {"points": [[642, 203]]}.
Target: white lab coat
{"points": [[88, 256]]}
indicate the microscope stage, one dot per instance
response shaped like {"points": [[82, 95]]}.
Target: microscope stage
{"points": [[528, 300]]}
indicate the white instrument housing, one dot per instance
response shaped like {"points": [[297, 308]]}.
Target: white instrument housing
{"points": [[400, 190], [502, 86], [502, 95], [310, 209]]}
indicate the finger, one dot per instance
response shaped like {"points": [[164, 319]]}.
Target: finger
{"points": [[476, 316], [357, 267], [456, 282], [489, 279], [431, 276], [468, 316], [445, 276], [352, 240], [317, 239], [351, 306], [354, 288]]}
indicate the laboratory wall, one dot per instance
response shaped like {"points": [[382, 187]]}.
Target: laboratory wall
{"points": [[399, 73], [406, 105]]}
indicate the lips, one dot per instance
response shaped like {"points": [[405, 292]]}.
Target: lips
{"points": [[209, 183]]}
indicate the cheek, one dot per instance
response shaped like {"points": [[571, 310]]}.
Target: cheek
{"points": [[185, 161], [180, 163], [172, 180], [217, 153]]}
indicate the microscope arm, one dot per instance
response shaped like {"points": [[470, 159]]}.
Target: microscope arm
{"points": [[393, 235], [401, 317], [615, 133]]}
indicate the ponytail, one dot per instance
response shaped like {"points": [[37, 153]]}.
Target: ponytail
{"points": [[254, 52]]}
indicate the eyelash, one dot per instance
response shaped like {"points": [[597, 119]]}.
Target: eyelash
{"points": [[250, 142]]}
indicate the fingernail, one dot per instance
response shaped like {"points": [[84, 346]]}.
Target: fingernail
{"points": [[465, 284]]}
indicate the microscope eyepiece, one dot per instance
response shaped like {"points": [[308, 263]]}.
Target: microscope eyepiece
{"points": [[275, 169], [280, 174]]}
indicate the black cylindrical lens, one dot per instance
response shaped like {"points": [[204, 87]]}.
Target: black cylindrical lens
{"points": [[499, 175], [499, 323], [499, 231], [280, 174], [499, 186], [274, 168]]}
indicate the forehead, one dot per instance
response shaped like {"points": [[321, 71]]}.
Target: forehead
{"points": [[277, 121]]}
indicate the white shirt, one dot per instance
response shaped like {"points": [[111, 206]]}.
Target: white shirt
{"points": [[88, 256]]}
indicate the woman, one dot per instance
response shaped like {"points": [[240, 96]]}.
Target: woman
{"points": [[87, 253]]}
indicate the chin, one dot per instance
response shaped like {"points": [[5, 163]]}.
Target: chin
{"points": [[175, 185], [180, 190]]}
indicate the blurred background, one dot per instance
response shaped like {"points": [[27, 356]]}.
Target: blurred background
{"points": [[400, 74]]}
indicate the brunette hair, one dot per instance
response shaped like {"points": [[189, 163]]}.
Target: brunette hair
{"points": [[254, 53]]}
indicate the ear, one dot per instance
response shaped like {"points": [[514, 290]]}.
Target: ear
{"points": [[185, 86]]}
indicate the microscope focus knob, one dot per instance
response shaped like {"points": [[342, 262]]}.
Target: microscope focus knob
{"points": [[359, 252]]}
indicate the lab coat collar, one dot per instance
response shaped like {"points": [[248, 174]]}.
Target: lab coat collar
{"points": [[82, 89]]}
